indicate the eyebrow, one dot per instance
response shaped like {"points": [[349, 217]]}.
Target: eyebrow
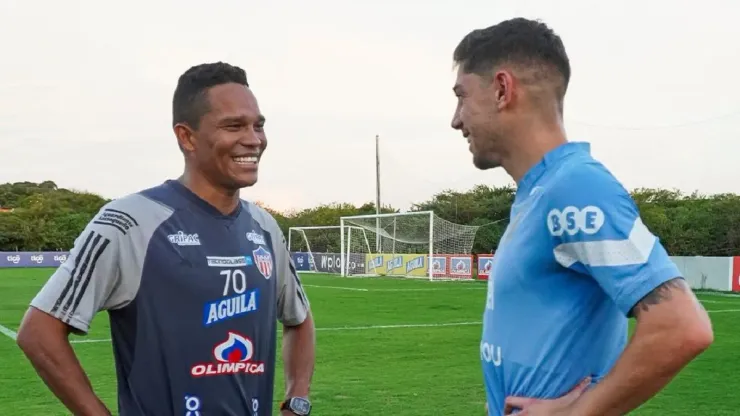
{"points": [[240, 119], [457, 88]]}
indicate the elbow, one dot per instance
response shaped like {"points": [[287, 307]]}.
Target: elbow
{"points": [[23, 337], [690, 341], [27, 338], [698, 338], [25, 341], [40, 333]]}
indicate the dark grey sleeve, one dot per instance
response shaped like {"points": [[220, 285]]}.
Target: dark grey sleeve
{"points": [[292, 303], [103, 270]]}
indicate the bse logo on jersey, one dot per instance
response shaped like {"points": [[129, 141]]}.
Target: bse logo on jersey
{"points": [[572, 220], [233, 356], [263, 261]]}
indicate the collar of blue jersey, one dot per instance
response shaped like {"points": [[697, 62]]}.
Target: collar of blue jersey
{"points": [[524, 187], [201, 203]]}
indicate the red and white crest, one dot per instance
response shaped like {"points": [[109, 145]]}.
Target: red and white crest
{"points": [[263, 261]]}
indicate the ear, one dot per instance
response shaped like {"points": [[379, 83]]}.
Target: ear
{"points": [[503, 84], [185, 137]]}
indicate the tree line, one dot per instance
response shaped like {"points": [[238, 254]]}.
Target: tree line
{"points": [[45, 217]]}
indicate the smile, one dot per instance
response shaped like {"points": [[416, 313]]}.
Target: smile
{"points": [[246, 160]]}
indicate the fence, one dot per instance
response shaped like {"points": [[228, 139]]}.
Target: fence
{"points": [[709, 273]]}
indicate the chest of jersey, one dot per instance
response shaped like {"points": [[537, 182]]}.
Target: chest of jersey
{"points": [[524, 253], [226, 267]]}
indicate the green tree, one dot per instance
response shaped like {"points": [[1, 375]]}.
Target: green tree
{"points": [[46, 217]]}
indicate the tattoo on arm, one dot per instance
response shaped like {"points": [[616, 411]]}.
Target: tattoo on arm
{"points": [[659, 294]]}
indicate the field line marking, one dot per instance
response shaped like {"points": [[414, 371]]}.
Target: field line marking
{"points": [[447, 289], [420, 289], [718, 294], [338, 328], [361, 328], [357, 289], [7, 331], [87, 341], [726, 302]]}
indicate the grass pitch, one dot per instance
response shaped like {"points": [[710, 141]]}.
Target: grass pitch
{"points": [[384, 346]]}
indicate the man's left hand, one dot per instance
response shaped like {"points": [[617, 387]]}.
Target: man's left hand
{"points": [[539, 407], [286, 413]]}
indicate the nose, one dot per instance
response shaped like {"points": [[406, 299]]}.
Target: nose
{"points": [[251, 138], [456, 121]]}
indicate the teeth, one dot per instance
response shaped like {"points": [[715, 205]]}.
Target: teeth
{"points": [[246, 159]]}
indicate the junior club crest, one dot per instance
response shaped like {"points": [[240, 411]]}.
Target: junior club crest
{"points": [[263, 261]]}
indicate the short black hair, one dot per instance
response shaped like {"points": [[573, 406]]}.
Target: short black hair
{"points": [[518, 41], [190, 102]]}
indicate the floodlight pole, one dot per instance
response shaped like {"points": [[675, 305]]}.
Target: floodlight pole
{"points": [[377, 193]]}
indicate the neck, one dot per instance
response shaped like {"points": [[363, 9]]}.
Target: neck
{"points": [[531, 146], [222, 199]]}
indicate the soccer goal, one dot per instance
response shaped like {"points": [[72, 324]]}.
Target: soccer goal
{"points": [[409, 244], [317, 249]]}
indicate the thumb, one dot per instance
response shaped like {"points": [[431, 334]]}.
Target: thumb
{"points": [[514, 402], [579, 388]]}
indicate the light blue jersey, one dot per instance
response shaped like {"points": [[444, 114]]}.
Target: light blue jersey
{"points": [[572, 263]]}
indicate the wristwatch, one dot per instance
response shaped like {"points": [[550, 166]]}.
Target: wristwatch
{"points": [[298, 405]]}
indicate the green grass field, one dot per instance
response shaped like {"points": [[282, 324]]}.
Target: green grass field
{"points": [[385, 346]]}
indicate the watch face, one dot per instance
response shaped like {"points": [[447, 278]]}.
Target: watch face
{"points": [[300, 406]]}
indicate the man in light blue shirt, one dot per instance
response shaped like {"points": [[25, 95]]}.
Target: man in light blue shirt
{"points": [[576, 259]]}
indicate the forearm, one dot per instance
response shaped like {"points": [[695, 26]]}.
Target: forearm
{"points": [[58, 367], [648, 364], [299, 355]]}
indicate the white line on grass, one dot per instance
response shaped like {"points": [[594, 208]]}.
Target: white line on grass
{"points": [[719, 301], [369, 327], [8, 332], [338, 287], [719, 294], [339, 328], [357, 328], [396, 289]]}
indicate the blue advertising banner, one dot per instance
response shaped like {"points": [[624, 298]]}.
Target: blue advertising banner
{"points": [[328, 262], [32, 259], [301, 261]]}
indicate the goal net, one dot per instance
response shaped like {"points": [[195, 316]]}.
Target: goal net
{"points": [[317, 249], [409, 244]]}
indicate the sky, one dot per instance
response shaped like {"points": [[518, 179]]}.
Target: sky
{"points": [[86, 91]]}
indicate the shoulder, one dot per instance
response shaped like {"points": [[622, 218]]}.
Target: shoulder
{"points": [[584, 198], [266, 220], [133, 213], [585, 179]]}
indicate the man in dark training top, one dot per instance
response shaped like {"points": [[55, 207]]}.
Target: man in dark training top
{"points": [[194, 279]]}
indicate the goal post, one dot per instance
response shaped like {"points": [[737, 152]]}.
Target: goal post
{"points": [[319, 249], [416, 244]]}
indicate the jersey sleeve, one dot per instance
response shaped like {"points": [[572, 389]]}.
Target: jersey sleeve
{"points": [[292, 303], [597, 231], [90, 280]]}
